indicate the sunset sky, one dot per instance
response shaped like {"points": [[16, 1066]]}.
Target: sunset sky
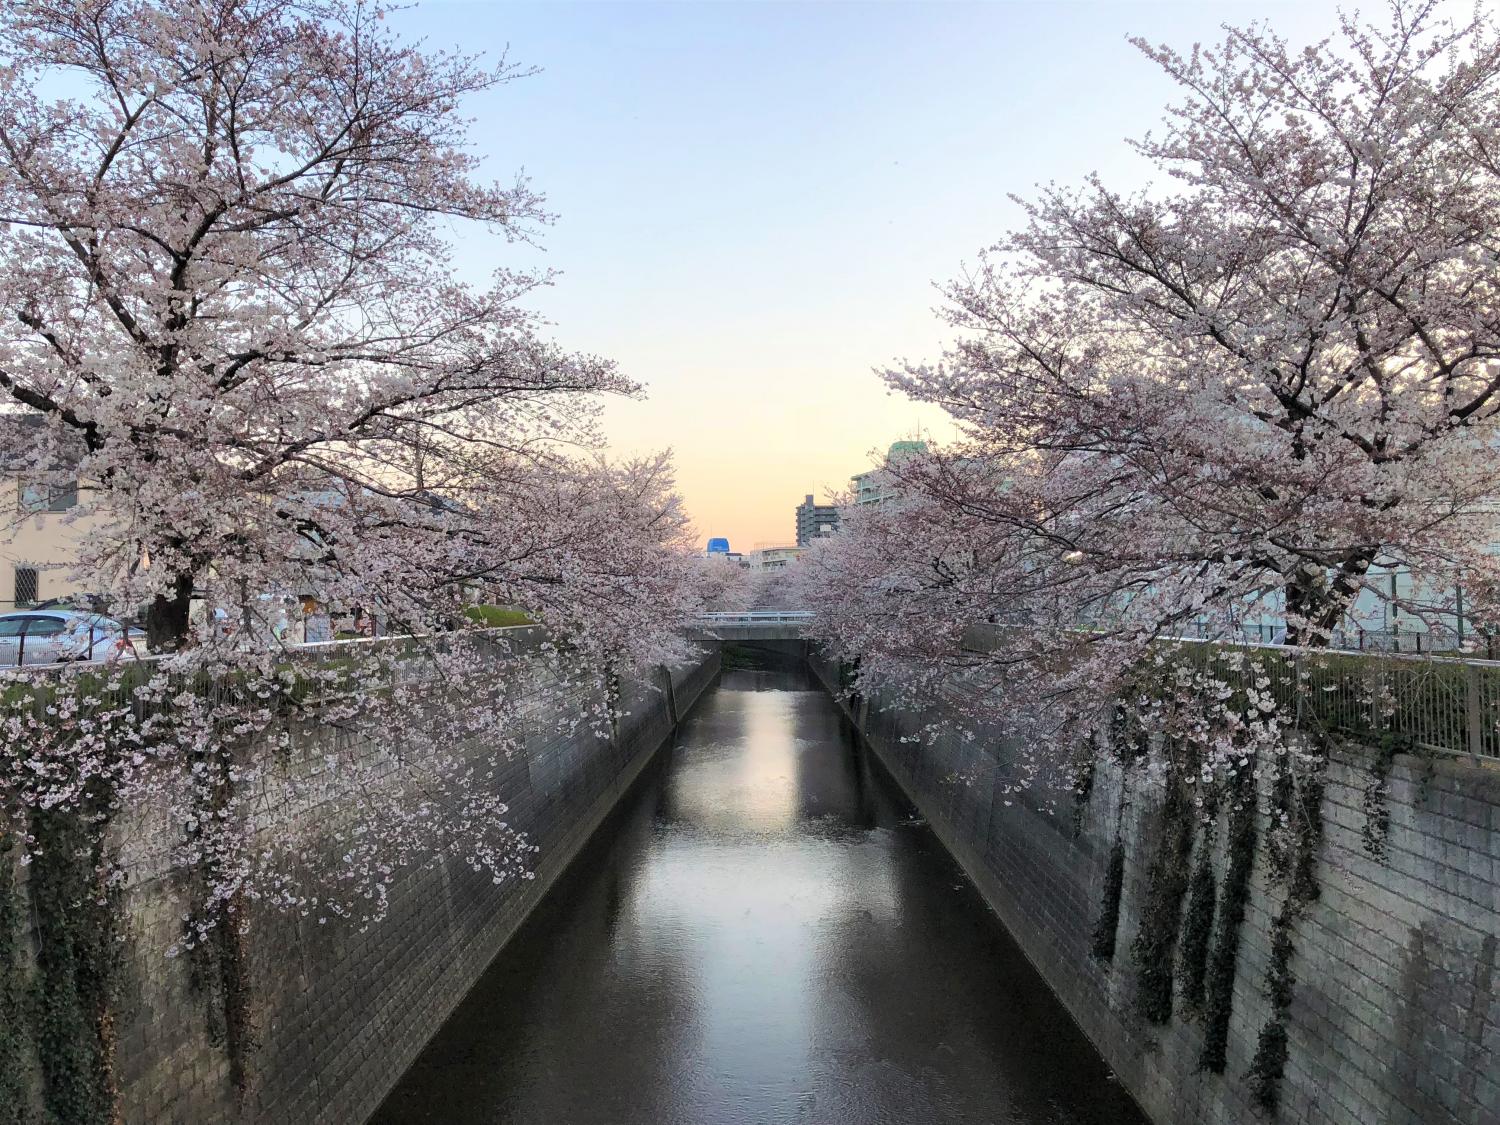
{"points": [[755, 200]]}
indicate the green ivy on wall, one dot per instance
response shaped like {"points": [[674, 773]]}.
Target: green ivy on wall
{"points": [[1296, 806], [1161, 913], [1197, 927], [1108, 923], [1083, 784], [16, 1073], [1199, 945], [1376, 797], [77, 967], [1218, 983], [214, 931], [1129, 746], [218, 965]]}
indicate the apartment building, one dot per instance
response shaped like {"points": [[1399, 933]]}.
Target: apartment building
{"points": [[815, 521]]}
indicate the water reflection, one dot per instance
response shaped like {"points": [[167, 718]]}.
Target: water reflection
{"points": [[765, 934]]}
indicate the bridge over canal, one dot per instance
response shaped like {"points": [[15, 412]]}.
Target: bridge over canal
{"points": [[753, 625]]}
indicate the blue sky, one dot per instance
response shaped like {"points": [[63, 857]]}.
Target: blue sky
{"points": [[755, 199]]}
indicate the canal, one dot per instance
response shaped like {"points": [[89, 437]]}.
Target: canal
{"points": [[763, 933]]}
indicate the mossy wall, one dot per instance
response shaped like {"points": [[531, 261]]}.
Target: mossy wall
{"points": [[99, 1023], [1375, 996]]}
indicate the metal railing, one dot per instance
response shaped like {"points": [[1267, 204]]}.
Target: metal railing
{"points": [[1431, 703], [756, 617], [1434, 703], [1413, 641], [298, 651], [311, 674]]}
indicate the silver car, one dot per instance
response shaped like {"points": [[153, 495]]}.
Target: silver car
{"points": [[52, 636]]}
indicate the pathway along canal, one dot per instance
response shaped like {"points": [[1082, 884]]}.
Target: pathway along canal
{"points": [[763, 933]]}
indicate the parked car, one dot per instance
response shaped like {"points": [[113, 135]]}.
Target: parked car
{"points": [[53, 636]]}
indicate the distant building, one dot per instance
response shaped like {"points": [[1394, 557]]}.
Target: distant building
{"points": [[718, 551], [774, 558], [874, 485], [815, 521]]}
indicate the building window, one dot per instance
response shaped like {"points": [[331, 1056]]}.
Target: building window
{"points": [[26, 586], [33, 496], [44, 496], [62, 496]]}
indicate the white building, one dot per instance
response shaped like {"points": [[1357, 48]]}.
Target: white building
{"points": [[774, 558], [874, 485]]}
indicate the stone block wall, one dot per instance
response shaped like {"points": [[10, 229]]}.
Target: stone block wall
{"points": [[338, 1013], [1394, 1017]]}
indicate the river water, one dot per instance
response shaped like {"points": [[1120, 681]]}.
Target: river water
{"points": [[764, 933]]}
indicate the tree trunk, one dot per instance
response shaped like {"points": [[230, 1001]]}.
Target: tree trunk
{"points": [[1304, 607], [1317, 599], [167, 618]]}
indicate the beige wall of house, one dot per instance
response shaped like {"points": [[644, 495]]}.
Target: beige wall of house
{"points": [[40, 531]]}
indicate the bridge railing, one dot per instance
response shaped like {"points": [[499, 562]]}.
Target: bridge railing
{"points": [[756, 617]]}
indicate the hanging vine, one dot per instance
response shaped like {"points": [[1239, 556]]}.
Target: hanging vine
{"points": [[1108, 923], [218, 968], [77, 965], [1197, 927], [1376, 796], [1083, 783], [1218, 984], [1161, 914], [215, 930], [1128, 743], [16, 1075], [1297, 831]]}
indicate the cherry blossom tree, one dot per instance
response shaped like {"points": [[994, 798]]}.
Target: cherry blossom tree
{"points": [[1254, 389], [725, 587], [230, 313], [230, 291], [1257, 389]]}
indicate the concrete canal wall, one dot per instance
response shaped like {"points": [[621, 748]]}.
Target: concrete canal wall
{"points": [[1394, 1017], [337, 1015]]}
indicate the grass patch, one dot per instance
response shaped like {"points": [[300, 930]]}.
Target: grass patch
{"points": [[497, 616]]}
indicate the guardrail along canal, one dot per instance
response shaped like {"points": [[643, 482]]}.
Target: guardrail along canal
{"points": [[764, 933]]}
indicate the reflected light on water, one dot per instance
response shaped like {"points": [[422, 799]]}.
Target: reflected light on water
{"points": [[765, 934]]}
